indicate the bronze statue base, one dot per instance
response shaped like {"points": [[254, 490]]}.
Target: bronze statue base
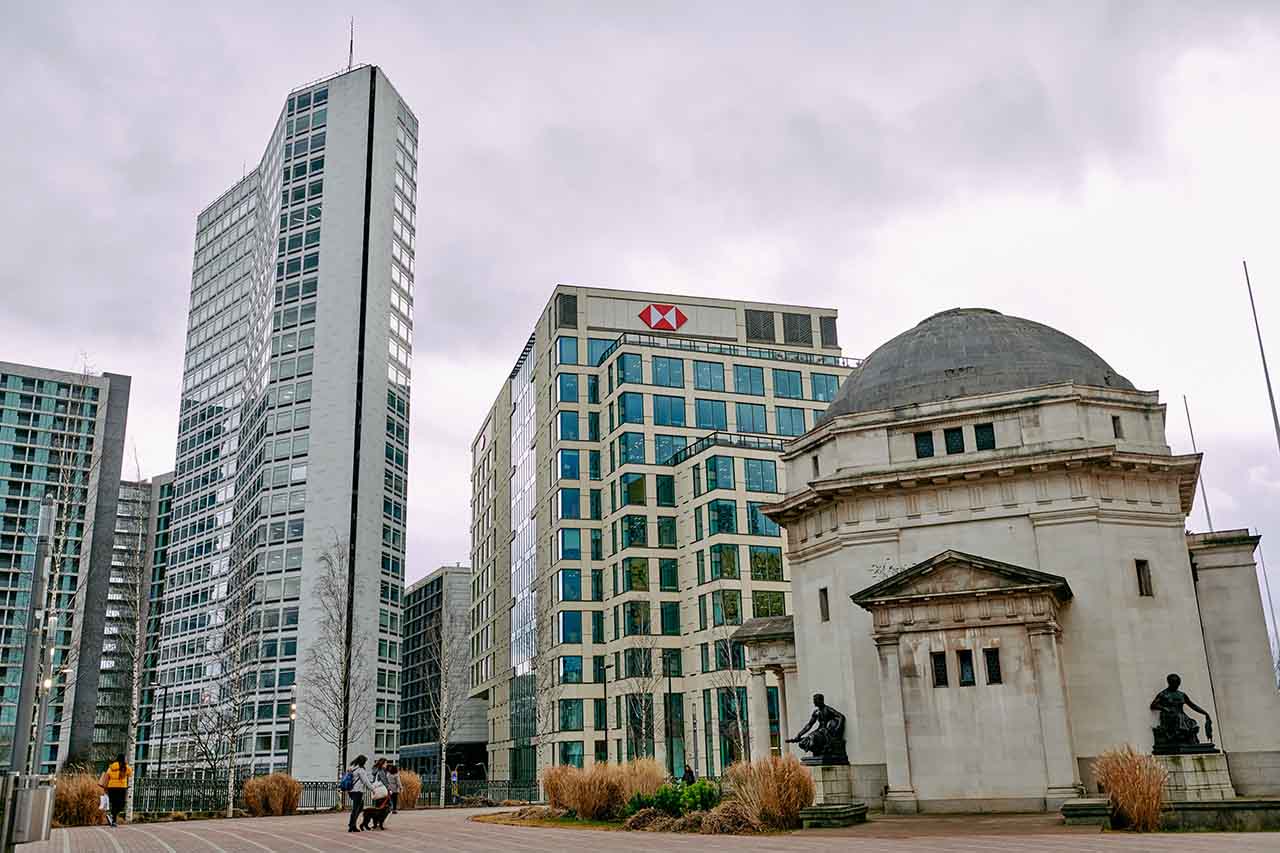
{"points": [[1184, 749], [825, 760]]}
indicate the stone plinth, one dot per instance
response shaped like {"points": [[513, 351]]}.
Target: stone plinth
{"points": [[1197, 778], [822, 817], [1087, 811], [834, 783]]}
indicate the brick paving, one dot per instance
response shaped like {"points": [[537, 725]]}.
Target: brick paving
{"points": [[451, 831]]}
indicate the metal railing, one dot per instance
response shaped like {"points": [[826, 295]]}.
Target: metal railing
{"points": [[169, 794], [734, 350], [726, 439]]}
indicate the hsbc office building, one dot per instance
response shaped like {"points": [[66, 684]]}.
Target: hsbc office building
{"points": [[617, 541]]}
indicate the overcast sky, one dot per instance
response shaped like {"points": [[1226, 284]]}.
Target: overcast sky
{"points": [[1098, 167]]}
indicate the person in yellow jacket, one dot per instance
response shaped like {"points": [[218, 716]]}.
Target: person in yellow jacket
{"points": [[115, 781]]}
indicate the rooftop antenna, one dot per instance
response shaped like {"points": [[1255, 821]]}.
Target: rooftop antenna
{"points": [[1271, 605], [351, 45], [1275, 419], [1204, 491]]}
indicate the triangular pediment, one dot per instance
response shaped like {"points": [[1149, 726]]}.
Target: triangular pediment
{"points": [[954, 573]]}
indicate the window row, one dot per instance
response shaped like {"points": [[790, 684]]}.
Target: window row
{"points": [[722, 517], [964, 667], [984, 438]]}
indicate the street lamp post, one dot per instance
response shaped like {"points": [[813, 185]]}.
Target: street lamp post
{"points": [[607, 667], [293, 718]]}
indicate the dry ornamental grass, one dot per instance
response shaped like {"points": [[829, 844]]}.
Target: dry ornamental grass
{"points": [[1135, 783], [276, 794], [410, 789], [732, 817], [601, 792], [75, 801], [773, 790]]}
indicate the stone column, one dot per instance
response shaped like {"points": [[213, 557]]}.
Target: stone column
{"points": [[901, 797], [1061, 771], [758, 711], [784, 728]]}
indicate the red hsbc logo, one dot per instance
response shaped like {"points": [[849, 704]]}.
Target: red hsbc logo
{"points": [[666, 318]]}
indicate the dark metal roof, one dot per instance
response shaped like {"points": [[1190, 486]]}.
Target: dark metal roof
{"points": [[764, 628], [964, 352]]}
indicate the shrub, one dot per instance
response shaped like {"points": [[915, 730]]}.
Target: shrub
{"points": [[276, 794], [773, 789], [642, 819], [691, 822], [732, 817], [637, 804], [667, 800], [556, 782], [1135, 784], [410, 789], [75, 800], [701, 796]]}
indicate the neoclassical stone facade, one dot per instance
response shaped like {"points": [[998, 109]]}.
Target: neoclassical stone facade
{"points": [[986, 491]]}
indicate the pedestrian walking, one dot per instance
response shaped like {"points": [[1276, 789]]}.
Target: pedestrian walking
{"points": [[393, 787], [375, 813], [357, 783], [115, 782]]}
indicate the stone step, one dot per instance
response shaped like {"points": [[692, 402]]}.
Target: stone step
{"points": [[833, 815]]}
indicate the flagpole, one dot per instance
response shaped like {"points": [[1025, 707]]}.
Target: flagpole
{"points": [[1204, 490], [1275, 418]]}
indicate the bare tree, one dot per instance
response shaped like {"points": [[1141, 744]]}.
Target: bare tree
{"points": [[335, 699], [644, 676], [448, 658], [548, 680], [726, 676]]}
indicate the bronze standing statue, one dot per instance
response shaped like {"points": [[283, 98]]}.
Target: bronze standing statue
{"points": [[823, 735], [1177, 732]]}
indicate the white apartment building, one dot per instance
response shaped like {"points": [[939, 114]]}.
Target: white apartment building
{"points": [[293, 437], [617, 538]]}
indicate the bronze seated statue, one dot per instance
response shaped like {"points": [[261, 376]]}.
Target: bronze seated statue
{"points": [[1177, 733], [823, 735]]}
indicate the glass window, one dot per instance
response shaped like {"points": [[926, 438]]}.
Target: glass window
{"points": [[669, 574], [667, 531], [593, 426], [766, 562], [722, 517], [924, 445], [571, 669], [748, 380], [702, 567], [635, 574], [824, 386], [670, 618], [726, 607], [954, 438], [635, 531], [992, 658], [593, 464], [568, 426], [597, 511], [702, 626], [668, 411], [597, 545], [596, 348], [630, 369], [571, 753], [571, 712], [632, 490], [984, 436], [758, 524], [668, 372], [593, 389], [571, 585], [666, 446], [568, 464], [938, 661], [570, 543], [762, 475], [639, 663], [751, 418], [570, 503], [666, 490], [708, 376], [790, 421], [724, 561], [711, 414], [788, 383], [567, 350], [673, 665], [631, 448], [719, 472], [964, 657], [597, 580], [568, 387], [571, 626], [635, 618], [697, 523], [768, 603], [631, 408]]}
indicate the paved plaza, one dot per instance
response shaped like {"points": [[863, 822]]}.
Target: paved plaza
{"points": [[452, 831]]}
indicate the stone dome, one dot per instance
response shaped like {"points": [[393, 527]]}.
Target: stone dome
{"points": [[964, 352]]}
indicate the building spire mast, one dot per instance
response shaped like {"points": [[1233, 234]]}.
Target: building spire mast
{"points": [[1204, 490], [1275, 419], [351, 45]]}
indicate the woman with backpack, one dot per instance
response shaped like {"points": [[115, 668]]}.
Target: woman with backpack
{"points": [[356, 783], [115, 782]]}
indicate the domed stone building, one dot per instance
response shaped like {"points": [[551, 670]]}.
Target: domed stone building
{"points": [[992, 575]]}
